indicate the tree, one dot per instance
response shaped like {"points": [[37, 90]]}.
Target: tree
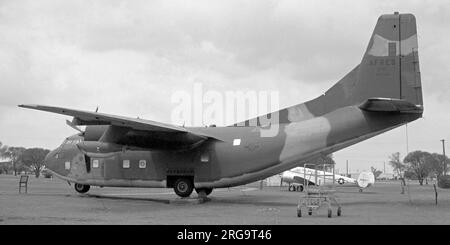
{"points": [[410, 175], [34, 159], [397, 164], [375, 172], [3, 149], [13, 153], [419, 163], [399, 167], [438, 165], [328, 159]]}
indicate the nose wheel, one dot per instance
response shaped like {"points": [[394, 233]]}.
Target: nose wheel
{"points": [[82, 188]]}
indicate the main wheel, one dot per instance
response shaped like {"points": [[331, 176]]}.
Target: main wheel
{"points": [[339, 211], [82, 188], [329, 213], [299, 212], [206, 190], [310, 211], [183, 187], [301, 188]]}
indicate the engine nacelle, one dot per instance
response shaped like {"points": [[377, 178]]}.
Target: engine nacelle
{"points": [[99, 147], [94, 132]]}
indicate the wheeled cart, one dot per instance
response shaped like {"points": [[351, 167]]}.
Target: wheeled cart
{"points": [[319, 195]]}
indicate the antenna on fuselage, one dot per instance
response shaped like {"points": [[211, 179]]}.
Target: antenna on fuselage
{"points": [[96, 110]]}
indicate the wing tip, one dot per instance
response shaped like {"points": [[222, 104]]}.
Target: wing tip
{"points": [[28, 106]]}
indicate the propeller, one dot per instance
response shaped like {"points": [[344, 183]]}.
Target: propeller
{"points": [[72, 125]]}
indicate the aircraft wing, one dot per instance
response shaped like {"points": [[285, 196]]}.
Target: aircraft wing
{"points": [[142, 128]]}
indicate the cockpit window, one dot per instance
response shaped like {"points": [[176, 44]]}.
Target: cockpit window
{"points": [[64, 143], [71, 142]]}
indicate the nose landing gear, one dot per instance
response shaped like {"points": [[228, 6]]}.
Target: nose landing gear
{"points": [[82, 188]]}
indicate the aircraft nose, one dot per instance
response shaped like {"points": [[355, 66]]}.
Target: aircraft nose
{"points": [[50, 160]]}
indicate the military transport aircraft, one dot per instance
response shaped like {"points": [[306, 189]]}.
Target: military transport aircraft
{"points": [[381, 93], [298, 177]]}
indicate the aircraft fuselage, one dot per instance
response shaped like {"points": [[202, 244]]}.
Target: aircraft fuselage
{"points": [[243, 156]]}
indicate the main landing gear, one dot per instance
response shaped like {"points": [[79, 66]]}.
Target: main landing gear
{"points": [[295, 188], [207, 191], [184, 187], [82, 188]]}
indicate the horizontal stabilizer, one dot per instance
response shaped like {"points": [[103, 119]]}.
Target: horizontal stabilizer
{"points": [[390, 105]]}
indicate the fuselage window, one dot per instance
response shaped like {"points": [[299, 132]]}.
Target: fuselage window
{"points": [[126, 164], [204, 157], [67, 165], [95, 163], [142, 164]]}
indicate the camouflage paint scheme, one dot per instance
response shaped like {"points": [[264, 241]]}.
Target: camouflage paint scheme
{"points": [[381, 93]]}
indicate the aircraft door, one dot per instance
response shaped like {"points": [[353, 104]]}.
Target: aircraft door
{"points": [[97, 167]]}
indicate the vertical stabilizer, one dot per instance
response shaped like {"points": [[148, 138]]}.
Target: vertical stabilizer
{"points": [[389, 69]]}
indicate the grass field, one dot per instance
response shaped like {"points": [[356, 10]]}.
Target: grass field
{"points": [[52, 201]]}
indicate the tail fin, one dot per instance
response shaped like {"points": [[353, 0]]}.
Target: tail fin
{"points": [[365, 179], [389, 69], [390, 66]]}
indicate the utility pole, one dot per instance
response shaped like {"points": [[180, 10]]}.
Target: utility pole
{"points": [[347, 168], [407, 146], [445, 162]]}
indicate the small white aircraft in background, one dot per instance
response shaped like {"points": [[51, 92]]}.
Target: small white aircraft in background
{"points": [[297, 177]]}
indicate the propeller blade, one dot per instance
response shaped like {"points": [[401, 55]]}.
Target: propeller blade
{"points": [[73, 126]]}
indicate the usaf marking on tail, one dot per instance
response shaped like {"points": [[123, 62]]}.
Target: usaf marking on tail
{"points": [[363, 104]]}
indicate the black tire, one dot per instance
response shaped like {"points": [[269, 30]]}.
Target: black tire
{"points": [[206, 190], [183, 187], [301, 188], [82, 188], [290, 188], [329, 213], [299, 212], [339, 211], [309, 211]]}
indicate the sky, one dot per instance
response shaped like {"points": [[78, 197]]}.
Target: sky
{"points": [[128, 58]]}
